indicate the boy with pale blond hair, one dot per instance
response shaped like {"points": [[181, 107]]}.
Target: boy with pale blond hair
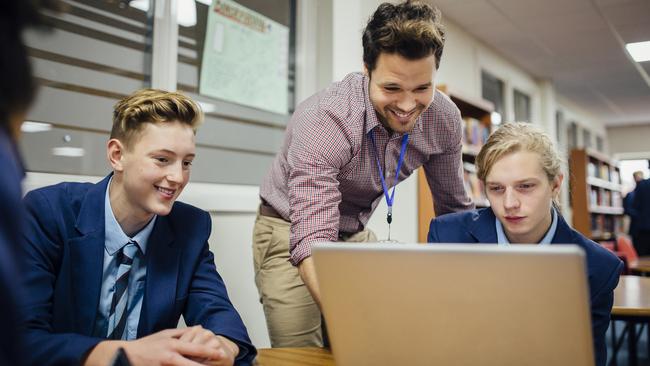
{"points": [[115, 264], [521, 173]]}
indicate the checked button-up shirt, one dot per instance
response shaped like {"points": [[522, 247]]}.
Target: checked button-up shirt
{"points": [[325, 179]]}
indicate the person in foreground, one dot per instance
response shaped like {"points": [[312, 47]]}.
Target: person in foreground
{"points": [[521, 172], [17, 91], [345, 148], [114, 264]]}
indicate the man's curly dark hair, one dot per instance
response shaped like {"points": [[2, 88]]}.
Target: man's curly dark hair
{"points": [[411, 29]]}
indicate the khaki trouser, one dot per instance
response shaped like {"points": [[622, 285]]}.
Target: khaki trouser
{"points": [[292, 317]]}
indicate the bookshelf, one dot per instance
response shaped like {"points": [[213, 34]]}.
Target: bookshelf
{"points": [[596, 199], [477, 126]]}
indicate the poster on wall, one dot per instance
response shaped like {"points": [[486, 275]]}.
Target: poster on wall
{"points": [[245, 59]]}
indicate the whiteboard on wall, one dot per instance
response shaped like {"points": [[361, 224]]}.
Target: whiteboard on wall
{"points": [[245, 58]]}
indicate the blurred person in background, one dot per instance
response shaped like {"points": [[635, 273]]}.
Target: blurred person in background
{"points": [[641, 207], [628, 202]]}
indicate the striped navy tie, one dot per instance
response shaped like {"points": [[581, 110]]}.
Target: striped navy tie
{"points": [[118, 312]]}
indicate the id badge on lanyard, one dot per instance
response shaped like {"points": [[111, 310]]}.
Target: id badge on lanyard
{"points": [[389, 197]]}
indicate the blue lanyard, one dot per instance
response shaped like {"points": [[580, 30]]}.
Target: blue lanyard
{"points": [[402, 153]]}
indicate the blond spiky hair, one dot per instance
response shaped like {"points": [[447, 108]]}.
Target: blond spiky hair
{"points": [[152, 106]]}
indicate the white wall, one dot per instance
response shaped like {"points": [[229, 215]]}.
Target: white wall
{"points": [[349, 18], [462, 61], [346, 33], [313, 47], [629, 142], [585, 120]]}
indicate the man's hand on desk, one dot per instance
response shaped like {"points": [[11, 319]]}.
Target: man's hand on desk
{"points": [[167, 348], [308, 274]]}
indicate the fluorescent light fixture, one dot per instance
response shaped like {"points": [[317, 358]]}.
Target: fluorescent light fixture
{"points": [[640, 51], [68, 151], [208, 107], [186, 11], [496, 118], [30, 127], [186, 15], [140, 4]]}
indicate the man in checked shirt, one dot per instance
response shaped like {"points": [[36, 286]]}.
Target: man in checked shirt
{"points": [[325, 182]]}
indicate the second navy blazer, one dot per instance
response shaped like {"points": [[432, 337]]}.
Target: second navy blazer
{"points": [[603, 267]]}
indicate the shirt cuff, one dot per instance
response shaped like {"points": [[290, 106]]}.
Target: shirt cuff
{"points": [[300, 252], [247, 352]]}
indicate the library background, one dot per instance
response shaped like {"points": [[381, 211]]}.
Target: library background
{"points": [[569, 67]]}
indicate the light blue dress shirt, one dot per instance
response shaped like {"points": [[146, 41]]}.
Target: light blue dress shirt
{"points": [[503, 241], [115, 239]]}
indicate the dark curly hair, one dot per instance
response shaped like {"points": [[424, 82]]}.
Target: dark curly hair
{"points": [[17, 88], [411, 29]]}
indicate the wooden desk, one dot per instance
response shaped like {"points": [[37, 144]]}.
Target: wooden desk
{"points": [[632, 296], [631, 304], [641, 266], [311, 356]]}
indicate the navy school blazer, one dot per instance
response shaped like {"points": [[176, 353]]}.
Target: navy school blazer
{"points": [[603, 267], [64, 251], [11, 174]]}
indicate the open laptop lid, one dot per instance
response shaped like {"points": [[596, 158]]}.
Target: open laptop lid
{"points": [[414, 304]]}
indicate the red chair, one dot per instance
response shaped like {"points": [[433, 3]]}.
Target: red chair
{"points": [[626, 250], [609, 245], [613, 246]]}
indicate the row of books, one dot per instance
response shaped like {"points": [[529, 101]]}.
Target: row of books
{"points": [[604, 171], [475, 133], [605, 225], [605, 197]]}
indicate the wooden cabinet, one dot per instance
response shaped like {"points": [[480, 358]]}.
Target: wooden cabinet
{"points": [[477, 125], [596, 199]]}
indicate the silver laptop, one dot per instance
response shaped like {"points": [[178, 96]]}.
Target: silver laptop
{"points": [[415, 304]]}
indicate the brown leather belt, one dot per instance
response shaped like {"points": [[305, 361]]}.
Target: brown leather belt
{"points": [[269, 211]]}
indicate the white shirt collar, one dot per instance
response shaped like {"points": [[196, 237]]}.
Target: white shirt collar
{"points": [[502, 239], [114, 237]]}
